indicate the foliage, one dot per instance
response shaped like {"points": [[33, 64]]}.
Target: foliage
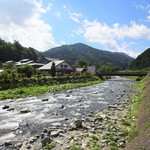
{"points": [[26, 70], [81, 62], [142, 61], [15, 51], [108, 68], [53, 70], [8, 65], [75, 148], [49, 146], [89, 55], [34, 86]]}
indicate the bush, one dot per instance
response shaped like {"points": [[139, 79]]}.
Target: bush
{"points": [[26, 70]]}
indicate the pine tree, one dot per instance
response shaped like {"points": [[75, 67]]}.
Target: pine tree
{"points": [[53, 70]]}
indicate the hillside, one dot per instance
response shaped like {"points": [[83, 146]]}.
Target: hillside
{"points": [[142, 61], [72, 53], [15, 51]]}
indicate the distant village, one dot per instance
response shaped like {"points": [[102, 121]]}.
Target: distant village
{"points": [[61, 66]]}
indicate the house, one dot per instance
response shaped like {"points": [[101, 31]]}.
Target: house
{"points": [[61, 66], [29, 62], [24, 62]]}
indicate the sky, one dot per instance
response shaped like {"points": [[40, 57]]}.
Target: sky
{"points": [[113, 25]]}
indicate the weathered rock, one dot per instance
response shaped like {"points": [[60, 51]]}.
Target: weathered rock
{"points": [[112, 106], [26, 110], [115, 138], [45, 99], [18, 145], [62, 106], [10, 109], [56, 133], [7, 143], [25, 146], [32, 139], [95, 93], [5, 107], [45, 130], [78, 123]]}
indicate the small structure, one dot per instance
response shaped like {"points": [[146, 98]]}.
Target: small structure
{"points": [[80, 70], [91, 69], [61, 66]]}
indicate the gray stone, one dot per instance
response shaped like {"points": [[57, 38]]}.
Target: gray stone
{"points": [[78, 123], [10, 109], [45, 130], [55, 133], [5, 107], [26, 110], [32, 139], [46, 99], [112, 106], [42, 135]]}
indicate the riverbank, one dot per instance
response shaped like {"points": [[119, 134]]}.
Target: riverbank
{"points": [[142, 140], [41, 89], [93, 117]]}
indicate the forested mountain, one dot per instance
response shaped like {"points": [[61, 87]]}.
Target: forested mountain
{"points": [[15, 51], [74, 53], [142, 61]]}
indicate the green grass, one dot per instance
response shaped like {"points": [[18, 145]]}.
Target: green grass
{"points": [[74, 147], [38, 90]]}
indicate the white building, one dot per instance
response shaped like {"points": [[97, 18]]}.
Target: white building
{"points": [[91, 69]]}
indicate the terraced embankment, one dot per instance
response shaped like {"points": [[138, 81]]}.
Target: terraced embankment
{"points": [[142, 140]]}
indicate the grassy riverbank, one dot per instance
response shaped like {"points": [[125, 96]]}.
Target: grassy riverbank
{"points": [[38, 90], [142, 110]]}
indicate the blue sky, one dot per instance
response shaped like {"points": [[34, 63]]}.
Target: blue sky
{"points": [[114, 25]]}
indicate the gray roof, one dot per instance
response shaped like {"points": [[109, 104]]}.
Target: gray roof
{"points": [[49, 65]]}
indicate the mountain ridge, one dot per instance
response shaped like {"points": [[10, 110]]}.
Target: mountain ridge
{"points": [[74, 52], [142, 61]]}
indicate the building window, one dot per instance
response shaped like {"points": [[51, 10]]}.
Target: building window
{"points": [[61, 66], [66, 66]]}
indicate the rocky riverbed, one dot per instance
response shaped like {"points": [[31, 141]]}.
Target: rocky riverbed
{"points": [[82, 118]]}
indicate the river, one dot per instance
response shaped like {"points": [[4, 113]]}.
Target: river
{"points": [[26, 117]]}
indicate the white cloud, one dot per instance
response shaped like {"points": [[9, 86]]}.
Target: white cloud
{"points": [[64, 6], [75, 17], [57, 14], [112, 37], [21, 20]]}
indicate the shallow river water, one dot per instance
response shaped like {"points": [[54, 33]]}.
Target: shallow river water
{"points": [[57, 110]]}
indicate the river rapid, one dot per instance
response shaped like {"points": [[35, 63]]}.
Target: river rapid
{"points": [[23, 118]]}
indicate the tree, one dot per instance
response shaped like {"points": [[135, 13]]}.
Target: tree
{"points": [[9, 65], [81, 62], [53, 70]]}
